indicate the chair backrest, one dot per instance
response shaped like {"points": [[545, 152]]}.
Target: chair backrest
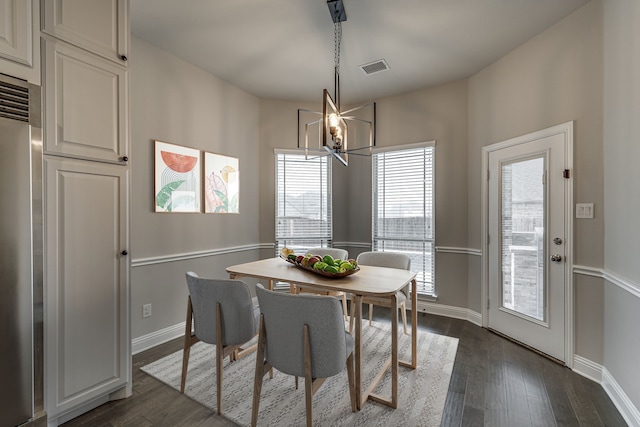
{"points": [[334, 252], [386, 259], [285, 316], [238, 318]]}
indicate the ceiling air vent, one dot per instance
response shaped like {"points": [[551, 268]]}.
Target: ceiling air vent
{"points": [[14, 101], [375, 67]]}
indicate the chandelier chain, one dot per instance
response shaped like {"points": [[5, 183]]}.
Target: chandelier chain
{"points": [[337, 32], [337, 41]]}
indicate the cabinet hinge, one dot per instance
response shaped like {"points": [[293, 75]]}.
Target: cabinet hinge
{"points": [[488, 303]]}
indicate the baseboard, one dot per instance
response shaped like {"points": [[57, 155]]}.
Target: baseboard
{"points": [[587, 368], [153, 339], [627, 409], [450, 311]]}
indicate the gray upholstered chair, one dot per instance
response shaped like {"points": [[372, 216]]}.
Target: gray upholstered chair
{"points": [[336, 253], [302, 335], [390, 260], [224, 314]]}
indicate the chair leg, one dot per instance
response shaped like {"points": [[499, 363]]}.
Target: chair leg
{"points": [[352, 313], [308, 380], [351, 381], [187, 345], [344, 306], [219, 358], [403, 310], [259, 374], [370, 314]]}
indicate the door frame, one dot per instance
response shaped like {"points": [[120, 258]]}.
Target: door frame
{"points": [[566, 129]]}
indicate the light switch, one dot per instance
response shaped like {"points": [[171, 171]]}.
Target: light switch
{"points": [[584, 210]]}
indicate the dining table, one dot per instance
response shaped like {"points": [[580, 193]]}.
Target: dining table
{"points": [[370, 281]]}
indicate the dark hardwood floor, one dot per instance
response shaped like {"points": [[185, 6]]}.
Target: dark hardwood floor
{"points": [[495, 382]]}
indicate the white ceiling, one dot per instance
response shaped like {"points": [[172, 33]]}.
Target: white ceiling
{"points": [[283, 49]]}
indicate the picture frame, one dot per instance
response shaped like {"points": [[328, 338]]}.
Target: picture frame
{"points": [[221, 183], [177, 186]]}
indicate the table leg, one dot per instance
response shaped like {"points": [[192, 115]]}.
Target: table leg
{"points": [[414, 324], [394, 352], [357, 300]]}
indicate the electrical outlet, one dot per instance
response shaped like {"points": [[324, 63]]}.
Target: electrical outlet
{"points": [[146, 310]]}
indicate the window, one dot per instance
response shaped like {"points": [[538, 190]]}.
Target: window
{"points": [[403, 207], [303, 201]]}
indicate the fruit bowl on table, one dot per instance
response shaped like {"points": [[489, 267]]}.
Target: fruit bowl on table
{"points": [[330, 274]]}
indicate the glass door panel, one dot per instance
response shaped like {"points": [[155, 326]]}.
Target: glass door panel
{"points": [[522, 210]]}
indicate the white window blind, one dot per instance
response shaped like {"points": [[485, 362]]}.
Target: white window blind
{"points": [[303, 202], [403, 214]]}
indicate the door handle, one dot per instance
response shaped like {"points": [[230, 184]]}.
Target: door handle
{"points": [[556, 258]]}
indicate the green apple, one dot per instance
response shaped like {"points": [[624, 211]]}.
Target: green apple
{"points": [[328, 259]]}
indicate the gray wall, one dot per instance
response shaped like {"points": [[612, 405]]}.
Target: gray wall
{"points": [[175, 102], [553, 78], [622, 192], [439, 114]]}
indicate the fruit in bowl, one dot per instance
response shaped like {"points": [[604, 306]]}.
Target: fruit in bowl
{"points": [[285, 252], [324, 265]]}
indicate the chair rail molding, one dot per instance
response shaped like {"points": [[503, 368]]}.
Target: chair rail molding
{"points": [[199, 254], [609, 276]]}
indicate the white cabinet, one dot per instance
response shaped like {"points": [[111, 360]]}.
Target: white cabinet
{"points": [[99, 26], [86, 104], [87, 345], [86, 192], [19, 39]]}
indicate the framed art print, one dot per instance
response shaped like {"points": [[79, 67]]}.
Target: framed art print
{"points": [[177, 178], [221, 183]]}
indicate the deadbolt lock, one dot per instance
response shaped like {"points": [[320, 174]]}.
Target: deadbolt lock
{"points": [[557, 241]]}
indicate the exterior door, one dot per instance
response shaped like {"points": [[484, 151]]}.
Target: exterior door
{"points": [[529, 239]]}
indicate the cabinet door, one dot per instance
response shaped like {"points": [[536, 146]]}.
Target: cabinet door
{"points": [[15, 31], [86, 282], [100, 26], [20, 39], [85, 104]]}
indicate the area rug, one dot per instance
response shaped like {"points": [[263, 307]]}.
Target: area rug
{"points": [[422, 392]]}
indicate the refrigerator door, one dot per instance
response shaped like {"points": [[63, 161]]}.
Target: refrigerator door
{"points": [[16, 270]]}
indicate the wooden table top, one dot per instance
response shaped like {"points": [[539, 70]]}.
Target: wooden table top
{"points": [[369, 281]]}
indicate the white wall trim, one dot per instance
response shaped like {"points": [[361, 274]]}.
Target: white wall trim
{"points": [[613, 278], [199, 254], [153, 339], [587, 368], [602, 376], [588, 271], [449, 311], [454, 250], [626, 407], [632, 288]]}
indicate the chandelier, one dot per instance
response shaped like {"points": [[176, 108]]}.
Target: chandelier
{"points": [[335, 128]]}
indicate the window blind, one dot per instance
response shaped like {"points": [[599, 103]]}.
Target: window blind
{"points": [[303, 202], [403, 214]]}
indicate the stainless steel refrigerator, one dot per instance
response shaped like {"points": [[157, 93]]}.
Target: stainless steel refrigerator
{"points": [[21, 254]]}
